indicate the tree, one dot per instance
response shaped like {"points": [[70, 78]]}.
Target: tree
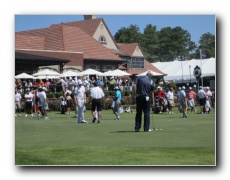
{"points": [[207, 45], [174, 43], [128, 35], [149, 41]]}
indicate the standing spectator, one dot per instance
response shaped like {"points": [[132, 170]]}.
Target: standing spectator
{"points": [[52, 86], [106, 84], [43, 101], [170, 99], [80, 101], [182, 101], [202, 100], [144, 94], [96, 97], [161, 95], [112, 83], [70, 83], [69, 100], [208, 93], [18, 86], [47, 84], [92, 81], [28, 105], [28, 84], [59, 85], [191, 95], [18, 98], [117, 103]]}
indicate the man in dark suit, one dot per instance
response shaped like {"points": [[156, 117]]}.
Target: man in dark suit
{"points": [[144, 99]]}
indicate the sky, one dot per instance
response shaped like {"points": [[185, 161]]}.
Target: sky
{"points": [[196, 25]]}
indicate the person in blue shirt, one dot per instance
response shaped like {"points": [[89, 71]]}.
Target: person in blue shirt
{"points": [[117, 103], [144, 99]]}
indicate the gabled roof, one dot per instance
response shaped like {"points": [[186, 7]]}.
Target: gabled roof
{"points": [[89, 26], [128, 48], [66, 38]]}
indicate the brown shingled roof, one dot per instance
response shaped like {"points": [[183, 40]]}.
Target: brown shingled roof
{"points": [[77, 40], [88, 26], [67, 38], [127, 48]]}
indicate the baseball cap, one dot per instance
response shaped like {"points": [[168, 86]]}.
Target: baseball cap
{"points": [[44, 88], [179, 87], [190, 88], [158, 87], [28, 89], [79, 81], [200, 87], [116, 87], [183, 87]]}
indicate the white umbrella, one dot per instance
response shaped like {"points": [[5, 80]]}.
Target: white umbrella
{"points": [[68, 74], [46, 72], [24, 76], [154, 73], [116, 72], [119, 72], [46, 77], [90, 72]]}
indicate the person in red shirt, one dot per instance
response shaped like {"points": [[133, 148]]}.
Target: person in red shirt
{"points": [[161, 95], [191, 95]]}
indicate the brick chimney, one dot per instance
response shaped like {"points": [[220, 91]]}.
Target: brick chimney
{"points": [[87, 17]]}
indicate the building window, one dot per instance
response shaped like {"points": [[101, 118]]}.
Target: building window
{"points": [[102, 40], [137, 63], [93, 66], [108, 67]]}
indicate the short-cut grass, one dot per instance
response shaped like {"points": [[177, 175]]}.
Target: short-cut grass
{"points": [[61, 141]]}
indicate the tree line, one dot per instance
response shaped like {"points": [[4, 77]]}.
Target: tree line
{"points": [[168, 44]]}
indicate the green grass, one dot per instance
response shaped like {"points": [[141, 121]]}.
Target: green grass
{"points": [[61, 141]]}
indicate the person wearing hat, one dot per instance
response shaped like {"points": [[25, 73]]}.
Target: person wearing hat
{"points": [[69, 100], [112, 83], [191, 95], [144, 99], [182, 101], [80, 101], [28, 103], [161, 95], [117, 103], [96, 97], [202, 100], [43, 101]]}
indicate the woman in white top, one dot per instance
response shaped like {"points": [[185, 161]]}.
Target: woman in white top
{"points": [[28, 105]]}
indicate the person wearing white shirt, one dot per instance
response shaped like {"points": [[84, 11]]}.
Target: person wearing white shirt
{"points": [[170, 99], [18, 98], [96, 97], [28, 105], [43, 101], [69, 100], [202, 100], [80, 100]]}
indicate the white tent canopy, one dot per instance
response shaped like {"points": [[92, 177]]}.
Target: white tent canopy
{"points": [[24, 76], [90, 72], [154, 73], [178, 70], [116, 72], [47, 72], [68, 74]]}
